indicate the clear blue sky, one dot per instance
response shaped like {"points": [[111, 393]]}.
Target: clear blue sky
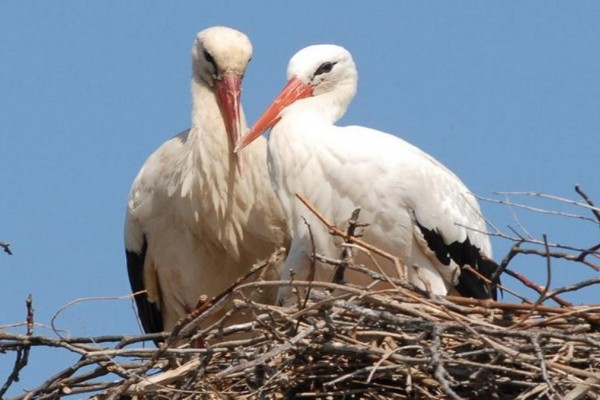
{"points": [[506, 94]]}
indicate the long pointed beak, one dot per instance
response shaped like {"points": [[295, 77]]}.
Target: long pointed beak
{"points": [[228, 90], [294, 90]]}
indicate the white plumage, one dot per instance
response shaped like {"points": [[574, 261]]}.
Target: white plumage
{"points": [[193, 223], [416, 207]]}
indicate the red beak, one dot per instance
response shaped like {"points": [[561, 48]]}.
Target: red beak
{"points": [[228, 90], [294, 90]]}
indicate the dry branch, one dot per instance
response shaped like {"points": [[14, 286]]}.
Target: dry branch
{"points": [[22, 352]]}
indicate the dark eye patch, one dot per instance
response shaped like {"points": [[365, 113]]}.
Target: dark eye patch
{"points": [[208, 57], [324, 68]]}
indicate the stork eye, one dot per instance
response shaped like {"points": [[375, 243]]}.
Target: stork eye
{"points": [[324, 68], [208, 57]]}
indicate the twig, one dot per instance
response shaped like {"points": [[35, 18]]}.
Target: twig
{"points": [[549, 197], [190, 318], [573, 287], [546, 288], [313, 265], [595, 210], [338, 276], [350, 239], [540, 356], [83, 300], [438, 365], [538, 210], [580, 258], [22, 356]]}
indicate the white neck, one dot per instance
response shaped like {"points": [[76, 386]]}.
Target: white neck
{"points": [[209, 156], [207, 166], [235, 210], [208, 134]]}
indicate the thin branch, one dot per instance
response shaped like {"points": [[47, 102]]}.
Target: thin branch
{"points": [[313, 265], [338, 232], [548, 272], [83, 300], [595, 210], [22, 352], [550, 197], [338, 276], [580, 258], [574, 287], [511, 205], [189, 321]]}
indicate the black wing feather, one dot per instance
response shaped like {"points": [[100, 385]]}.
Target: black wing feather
{"points": [[464, 253], [148, 312]]}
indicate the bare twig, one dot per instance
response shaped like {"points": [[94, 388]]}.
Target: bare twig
{"points": [[549, 197], [58, 332], [350, 239], [338, 276], [22, 352], [595, 210], [508, 203], [543, 291], [313, 266]]}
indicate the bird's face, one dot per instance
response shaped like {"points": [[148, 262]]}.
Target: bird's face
{"points": [[323, 67], [220, 57], [313, 71]]}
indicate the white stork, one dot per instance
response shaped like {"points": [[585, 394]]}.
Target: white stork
{"points": [[193, 224], [416, 207]]}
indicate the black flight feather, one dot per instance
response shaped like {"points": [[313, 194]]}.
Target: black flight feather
{"points": [[464, 253], [148, 312]]}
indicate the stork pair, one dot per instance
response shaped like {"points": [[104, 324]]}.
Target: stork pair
{"points": [[213, 200]]}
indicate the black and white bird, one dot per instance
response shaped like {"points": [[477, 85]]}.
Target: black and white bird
{"points": [[416, 207], [194, 224]]}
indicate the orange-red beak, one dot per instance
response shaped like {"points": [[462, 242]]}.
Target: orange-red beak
{"points": [[294, 90], [228, 90]]}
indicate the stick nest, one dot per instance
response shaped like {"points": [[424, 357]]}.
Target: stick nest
{"points": [[348, 342], [396, 344]]}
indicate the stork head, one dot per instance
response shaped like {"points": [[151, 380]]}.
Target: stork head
{"points": [[220, 56], [313, 71]]}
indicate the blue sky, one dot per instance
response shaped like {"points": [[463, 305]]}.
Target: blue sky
{"points": [[506, 94]]}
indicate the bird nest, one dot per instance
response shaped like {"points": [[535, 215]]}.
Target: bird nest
{"points": [[348, 342]]}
